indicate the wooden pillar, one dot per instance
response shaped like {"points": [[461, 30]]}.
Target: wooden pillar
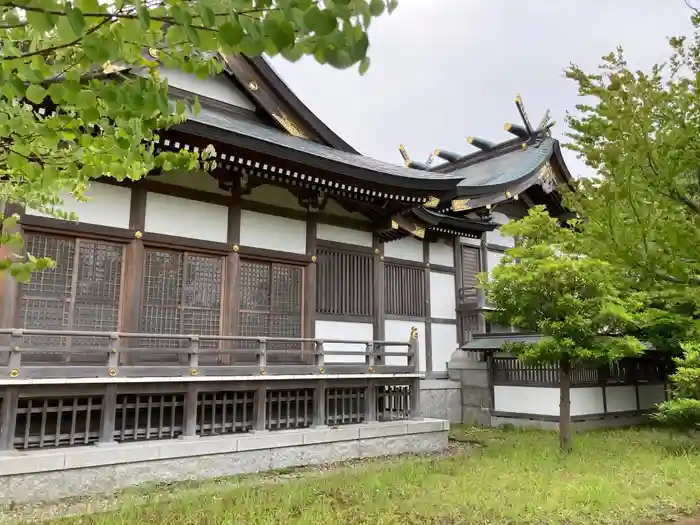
{"points": [[378, 289], [8, 418], [428, 315], [133, 271], [233, 267], [481, 296], [189, 423], [309, 309], [457, 254], [109, 412], [320, 404]]}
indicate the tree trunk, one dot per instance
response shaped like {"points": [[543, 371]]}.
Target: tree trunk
{"points": [[565, 405]]}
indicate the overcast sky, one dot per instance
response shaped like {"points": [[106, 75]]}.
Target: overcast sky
{"points": [[446, 69]]}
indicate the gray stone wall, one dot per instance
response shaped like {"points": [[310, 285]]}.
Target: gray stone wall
{"points": [[441, 399], [472, 373]]}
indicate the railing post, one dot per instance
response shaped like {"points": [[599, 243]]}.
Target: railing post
{"points": [[414, 360], [193, 358], [370, 358], [109, 413], [320, 405], [15, 360], [319, 357], [262, 355], [8, 419], [113, 359]]}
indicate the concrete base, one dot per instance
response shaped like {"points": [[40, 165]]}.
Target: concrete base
{"points": [[47, 475], [441, 399]]}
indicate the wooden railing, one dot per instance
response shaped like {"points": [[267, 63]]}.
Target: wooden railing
{"points": [[101, 387], [119, 355]]}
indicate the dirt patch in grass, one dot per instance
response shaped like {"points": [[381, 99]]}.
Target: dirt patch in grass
{"points": [[504, 477]]}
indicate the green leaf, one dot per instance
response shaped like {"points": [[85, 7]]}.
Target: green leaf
{"points": [[322, 22], [376, 7], [86, 99], [36, 94], [364, 65], [76, 19], [207, 15], [231, 34], [144, 16], [42, 22]]}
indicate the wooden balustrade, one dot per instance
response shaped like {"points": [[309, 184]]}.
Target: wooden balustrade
{"points": [[116, 354], [101, 387]]}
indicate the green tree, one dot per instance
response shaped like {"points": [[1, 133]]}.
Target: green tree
{"points": [[683, 411], [638, 131], [74, 57], [579, 304]]}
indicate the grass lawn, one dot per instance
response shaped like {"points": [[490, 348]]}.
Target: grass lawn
{"points": [[635, 476]]}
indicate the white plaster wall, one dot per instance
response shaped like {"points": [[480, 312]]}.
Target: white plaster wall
{"points": [[442, 295], [470, 241], [586, 400], [493, 259], [401, 331], [495, 237], [273, 233], [444, 343], [186, 218], [526, 400], [407, 248], [442, 254], [217, 88], [651, 395], [328, 232], [621, 398], [275, 195], [197, 180], [348, 331], [107, 206]]}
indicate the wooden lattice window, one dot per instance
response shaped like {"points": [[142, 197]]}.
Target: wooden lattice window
{"points": [[404, 290], [82, 292], [181, 295], [270, 302], [471, 266], [344, 283]]}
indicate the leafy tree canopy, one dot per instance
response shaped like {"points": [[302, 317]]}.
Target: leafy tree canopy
{"points": [[579, 303], [639, 131], [75, 58]]}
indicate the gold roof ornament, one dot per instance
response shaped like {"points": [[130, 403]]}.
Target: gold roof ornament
{"points": [[460, 205], [432, 202], [418, 231], [289, 125]]}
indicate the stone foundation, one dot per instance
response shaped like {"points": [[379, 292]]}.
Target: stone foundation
{"points": [[46, 475], [441, 399]]}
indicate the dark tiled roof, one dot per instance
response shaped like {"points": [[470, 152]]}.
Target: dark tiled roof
{"points": [[496, 171]]}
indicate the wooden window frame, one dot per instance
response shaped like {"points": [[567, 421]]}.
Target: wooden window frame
{"points": [[344, 309], [272, 261], [186, 252], [77, 237]]}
